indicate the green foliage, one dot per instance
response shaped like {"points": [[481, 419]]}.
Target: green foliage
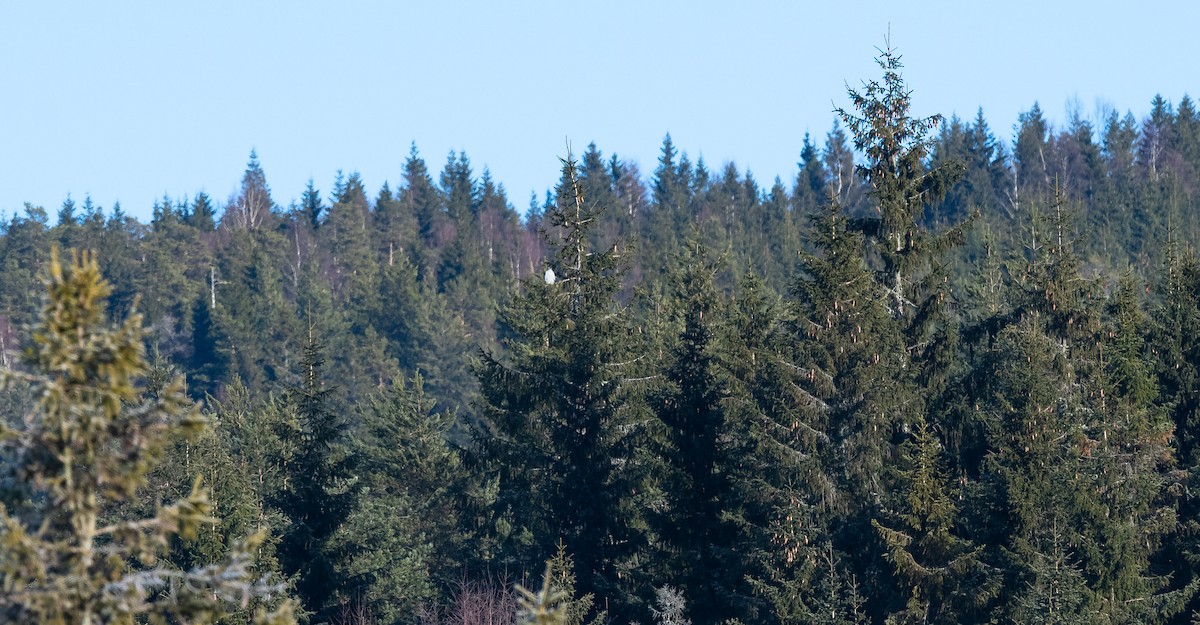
{"points": [[560, 417], [316, 494], [943, 573], [547, 606], [694, 452], [405, 535], [90, 443], [887, 419], [555, 603], [895, 147]]}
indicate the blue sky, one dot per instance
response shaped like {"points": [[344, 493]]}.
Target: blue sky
{"points": [[130, 100]]}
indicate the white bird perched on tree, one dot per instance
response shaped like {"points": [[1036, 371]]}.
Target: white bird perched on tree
{"points": [[550, 276]]}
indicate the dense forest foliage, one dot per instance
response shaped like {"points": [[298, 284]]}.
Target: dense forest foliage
{"points": [[937, 377]]}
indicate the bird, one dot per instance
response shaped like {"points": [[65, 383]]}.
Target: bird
{"points": [[550, 276]]}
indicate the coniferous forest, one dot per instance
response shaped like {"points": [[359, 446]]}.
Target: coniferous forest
{"points": [[941, 375]]}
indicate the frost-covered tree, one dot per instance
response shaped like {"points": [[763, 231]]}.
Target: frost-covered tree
{"points": [[86, 447]]}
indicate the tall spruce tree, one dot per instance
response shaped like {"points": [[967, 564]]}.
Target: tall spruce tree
{"points": [[694, 449], [870, 331], [1125, 509], [782, 496], [316, 494], [1174, 341], [895, 146], [856, 392], [1052, 438]]}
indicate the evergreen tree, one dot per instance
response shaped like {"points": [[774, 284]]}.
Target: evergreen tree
{"points": [[695, 465], [1031, 153], [420, 198], [67, 230], [1155, 151], [209, 364], [404, 536], [856, 390], [349, 239], [498, 227], [89, 445], [1125, 216], [559, 412], [1174, 341], [895, 146], [1082, 175], [121, 240], [778, 490], [316, 495], [671, 196], [1125, 508], [250, 430], [1187, 133], [812, 189], [395, 228], [229, 487], [951, 145], [844, 186], [1028, 473], [266, 332], [986, 168], [775, 256], [311, 205], [595, 176], [871, 339], [1039, 465], [202, 215], [26, 242], [253, 207], [170, 275], [942, 572]]}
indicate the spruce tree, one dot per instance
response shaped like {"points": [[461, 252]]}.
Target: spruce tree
{"points": [[559, 412], [23, 251], [1047, 406], [672, 196], [694, 450], [1031, 153], [89, 445], [848, 348], [895, 146], [812, 190], [316, 494], [871, 335], [1174, 342], [1125, 510], [404, 538], [419, 197], [347, 236], [781, 495], [943, 573], [252, 208], [395, 228], [856, 390], [1028, 476], [202, 216], [311, 205]]}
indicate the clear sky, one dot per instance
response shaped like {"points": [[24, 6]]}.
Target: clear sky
{"points": [[130, 100]]}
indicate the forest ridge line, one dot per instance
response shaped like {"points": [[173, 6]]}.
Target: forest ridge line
{"points": [[931, 379]]}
